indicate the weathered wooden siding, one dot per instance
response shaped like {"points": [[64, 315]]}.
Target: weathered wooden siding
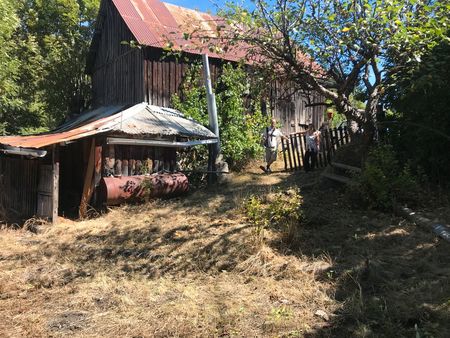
{"points": [[19, 183], [291, 110], [45, 192], [163, 75], [118, 69]]}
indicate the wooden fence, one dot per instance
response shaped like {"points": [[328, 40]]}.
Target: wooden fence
{"points": [[294, 150]]}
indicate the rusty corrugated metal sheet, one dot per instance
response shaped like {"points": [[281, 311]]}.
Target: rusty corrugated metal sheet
{"points": [[141, 119], [155, 23]]}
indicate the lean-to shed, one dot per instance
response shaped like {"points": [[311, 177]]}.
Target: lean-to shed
{"points": [[60, 172]]}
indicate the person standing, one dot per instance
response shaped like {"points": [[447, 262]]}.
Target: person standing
{"points": [[270, 137], [312, 147]]}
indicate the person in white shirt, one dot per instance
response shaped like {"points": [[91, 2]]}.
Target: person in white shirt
{"points": [[270, 137]]}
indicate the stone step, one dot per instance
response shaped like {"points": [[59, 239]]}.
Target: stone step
{"points": [[346, 167], [338, 178]]}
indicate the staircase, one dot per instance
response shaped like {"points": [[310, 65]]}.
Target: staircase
{"points": [[341, 173]]}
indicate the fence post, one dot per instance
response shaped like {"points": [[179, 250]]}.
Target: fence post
{"points": [[346, 134], [341, 135], [302, 149], [297, 145], [289, 146], [327, 142], [292, 138]]}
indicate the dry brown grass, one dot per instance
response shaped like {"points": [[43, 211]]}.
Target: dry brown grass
{"points": [[190, 267]]}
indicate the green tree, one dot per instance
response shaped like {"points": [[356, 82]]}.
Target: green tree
{"points": [[419, 127], [50, 43], [9, 65], [239, 113], [334, 46]]}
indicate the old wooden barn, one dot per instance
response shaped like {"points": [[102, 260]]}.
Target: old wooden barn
{"points": [[122, 74]]}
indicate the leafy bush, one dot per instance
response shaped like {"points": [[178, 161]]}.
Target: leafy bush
{"points": [[280, 211], [384, 182], [239, 114], [420, 122]]}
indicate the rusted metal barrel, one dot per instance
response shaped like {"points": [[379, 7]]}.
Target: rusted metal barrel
{"points": [[116, 190]]}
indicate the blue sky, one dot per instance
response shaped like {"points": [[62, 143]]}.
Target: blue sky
{"points": [[203, 5]]}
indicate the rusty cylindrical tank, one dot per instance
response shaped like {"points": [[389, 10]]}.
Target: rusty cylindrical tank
{"points": [[116, 190]]}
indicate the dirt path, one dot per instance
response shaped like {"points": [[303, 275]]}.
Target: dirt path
{"points": [[191, 267]]}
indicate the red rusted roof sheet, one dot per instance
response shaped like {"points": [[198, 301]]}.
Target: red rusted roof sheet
{"points": [[155, 23]]}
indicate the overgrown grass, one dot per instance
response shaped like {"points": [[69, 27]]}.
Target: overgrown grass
{"points": [[192, 267]]}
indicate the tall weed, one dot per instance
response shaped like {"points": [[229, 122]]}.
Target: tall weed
{"points": [[385, 182], [278, 211]]}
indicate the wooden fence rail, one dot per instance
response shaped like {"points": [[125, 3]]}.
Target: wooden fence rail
{"points": [[294, 150]]}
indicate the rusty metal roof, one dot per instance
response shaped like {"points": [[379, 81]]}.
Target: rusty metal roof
{"points": [[155, 23], [142, 120]]}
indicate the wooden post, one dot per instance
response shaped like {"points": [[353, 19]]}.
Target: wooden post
{"points": [[98, 168], [326, 143], [289, 146], [346, 135], [335, 138], [87, 187], [55, 192], [132, 167], [301, 139], [125, 166], [112, 158], [341, 136], [138, 170], [293, 145]]}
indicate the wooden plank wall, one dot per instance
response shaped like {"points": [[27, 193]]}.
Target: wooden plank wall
{"points": [[163, 75], [290, 108], [45, 191], [118, 70], [19, 179]]}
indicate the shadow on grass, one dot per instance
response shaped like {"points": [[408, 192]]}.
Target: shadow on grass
{"points": [[392, 277], [389, 275]]}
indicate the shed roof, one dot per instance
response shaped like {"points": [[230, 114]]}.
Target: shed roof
{"points": [[141, 120]]}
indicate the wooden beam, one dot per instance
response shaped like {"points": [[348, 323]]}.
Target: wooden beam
{"points": [[158, 143], [55, 185], [88, 187]]}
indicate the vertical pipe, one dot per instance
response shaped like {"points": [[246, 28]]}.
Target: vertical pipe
{"points": [[214, 149], [212, 108]]}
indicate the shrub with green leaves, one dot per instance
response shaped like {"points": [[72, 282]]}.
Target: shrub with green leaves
{"points": [[384, 181], [279, 211], [239, 114]]}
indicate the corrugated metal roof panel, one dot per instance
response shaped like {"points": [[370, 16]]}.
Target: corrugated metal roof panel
{"points": [[139, 120], [155, 23], [158, 121]]}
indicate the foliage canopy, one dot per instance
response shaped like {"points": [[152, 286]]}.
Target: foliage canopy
{"points": [[336, 46], [44, 46]]}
